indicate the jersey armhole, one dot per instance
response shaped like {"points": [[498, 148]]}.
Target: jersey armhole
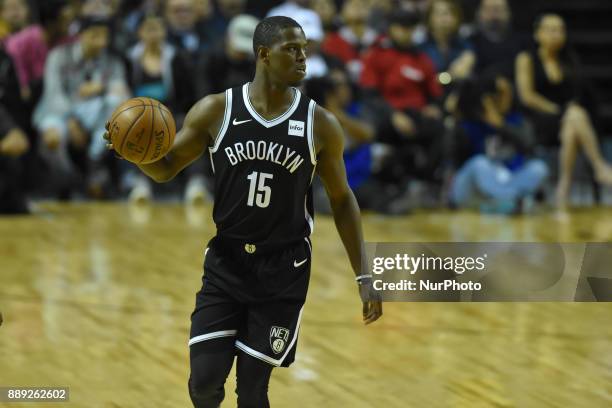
{"points": [[226, 119], [310, 133]]}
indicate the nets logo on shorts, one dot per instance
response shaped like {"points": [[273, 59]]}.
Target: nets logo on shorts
{"points": [[278, 338]]}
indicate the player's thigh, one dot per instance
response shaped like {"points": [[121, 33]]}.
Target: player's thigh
{"points": [[217, 315]]}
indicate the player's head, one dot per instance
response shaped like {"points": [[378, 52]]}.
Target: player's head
{"points": [[279, 44]]}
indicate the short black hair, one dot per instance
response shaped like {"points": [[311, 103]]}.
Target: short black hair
{"points": [[269, 29]]}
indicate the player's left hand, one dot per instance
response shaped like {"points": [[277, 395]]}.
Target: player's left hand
{"points": [[109, 142], [372, 302]]}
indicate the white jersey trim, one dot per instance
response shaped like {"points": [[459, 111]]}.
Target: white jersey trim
{"points": [[308, 217], [309, 245], [213, 335], [212, 162], [263, 357], [226, 119], [265, 122], [310, 133]]}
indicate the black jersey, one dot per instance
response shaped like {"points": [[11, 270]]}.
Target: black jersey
{"points": [[263, 171]]}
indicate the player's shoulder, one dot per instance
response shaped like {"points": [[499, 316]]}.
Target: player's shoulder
{"points": [[212, 102], [327, 128], [208, 108], [325, 121]]}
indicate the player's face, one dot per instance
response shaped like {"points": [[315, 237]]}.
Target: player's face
{"points": [[287, 57]]}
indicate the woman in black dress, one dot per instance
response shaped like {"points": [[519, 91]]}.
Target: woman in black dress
{"points": [[549, 89]]}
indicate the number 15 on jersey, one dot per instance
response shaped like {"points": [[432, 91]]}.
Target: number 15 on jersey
{"points": [[258, 191]]}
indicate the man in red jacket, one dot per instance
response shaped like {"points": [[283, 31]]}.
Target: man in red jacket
{"points": [[405, 78]]}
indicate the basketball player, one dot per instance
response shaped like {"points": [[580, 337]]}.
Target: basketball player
{"points": [[265, 141]]}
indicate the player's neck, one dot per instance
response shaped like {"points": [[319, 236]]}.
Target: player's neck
{"points": [[267, 96]]}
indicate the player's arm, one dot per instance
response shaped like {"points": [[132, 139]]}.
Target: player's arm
{"points": [[191, 141], [330, 168]]}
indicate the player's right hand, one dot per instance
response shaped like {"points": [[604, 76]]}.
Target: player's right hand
{"points": [[372, 302]]}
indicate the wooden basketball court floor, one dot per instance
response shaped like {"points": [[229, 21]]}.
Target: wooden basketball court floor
{"points": [[97, 297]]}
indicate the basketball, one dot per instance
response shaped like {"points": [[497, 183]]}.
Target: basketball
{"points": [[142, 130]]}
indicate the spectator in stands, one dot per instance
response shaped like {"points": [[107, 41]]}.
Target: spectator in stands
{"points": [[99, 8], [406, 80], [158, 70], [184, 32], [129, 15], [290, 8], [497, 142], [317, 64], [379, 13], [363, 156], [13, 144], [10, 100], [449, 52], [353, 37], [203, 9], [10, 96], [83, 85], [327, 10], [229, 62], [14, 15], [216, 25], [29, 47], [404, 76], [549, 88], [495, 43]]}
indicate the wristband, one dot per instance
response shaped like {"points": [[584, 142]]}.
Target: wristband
{"points": [[361, 277]]}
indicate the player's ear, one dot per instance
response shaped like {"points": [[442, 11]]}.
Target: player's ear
{"points": [[264, 54]]}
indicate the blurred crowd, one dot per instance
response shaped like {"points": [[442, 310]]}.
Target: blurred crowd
{"points": [[467, 110]]}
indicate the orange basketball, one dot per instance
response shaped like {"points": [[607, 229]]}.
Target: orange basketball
{"points": [[142, 130]]}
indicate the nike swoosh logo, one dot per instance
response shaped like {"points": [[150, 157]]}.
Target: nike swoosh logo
{"points": [[235, 122], [296, 263]]}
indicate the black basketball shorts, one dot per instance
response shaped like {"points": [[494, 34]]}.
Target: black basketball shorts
{"points": [[256, 298]]}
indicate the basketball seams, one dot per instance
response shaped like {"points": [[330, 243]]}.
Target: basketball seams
{"points": [[161, 113], [114, 117], [134, 127], [127, 132], [151, 134]]}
